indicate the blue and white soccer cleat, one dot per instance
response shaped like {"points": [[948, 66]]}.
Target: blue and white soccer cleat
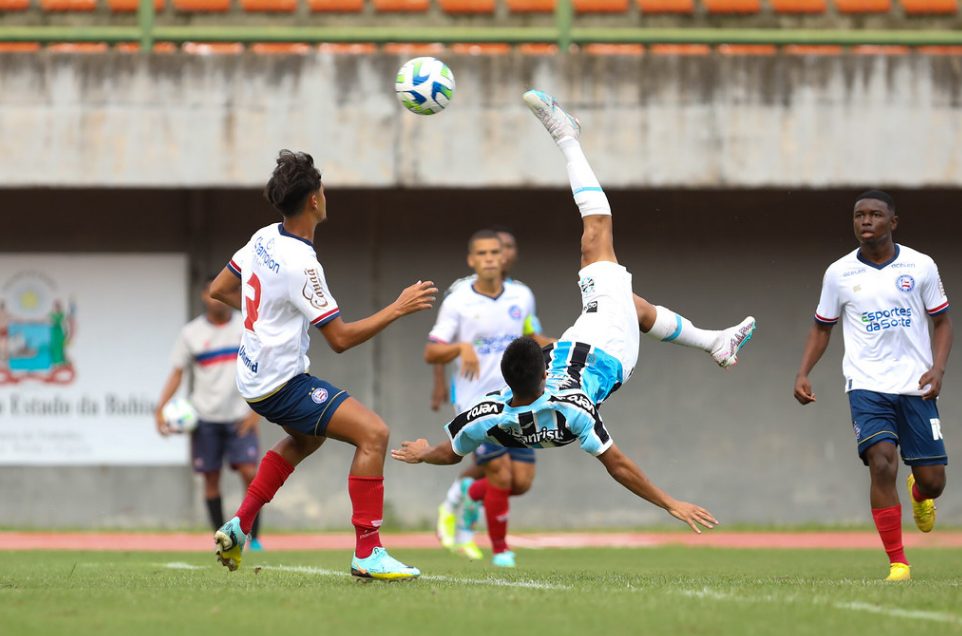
{"points": [[503, 559], [382, 567], [731, 341], [546, 108], [255, 545], [230, 544]]}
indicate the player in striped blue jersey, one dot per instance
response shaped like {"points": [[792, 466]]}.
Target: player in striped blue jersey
{"points": [[553, 395]]}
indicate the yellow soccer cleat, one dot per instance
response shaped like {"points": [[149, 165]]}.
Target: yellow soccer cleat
{"points": [[470, 550], [899, 572], [229, 541], [446, 527], [922, 511]]}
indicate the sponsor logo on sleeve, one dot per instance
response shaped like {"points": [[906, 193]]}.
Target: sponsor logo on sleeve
{"points": [[587, 285], [312, 291], [483, 409]]}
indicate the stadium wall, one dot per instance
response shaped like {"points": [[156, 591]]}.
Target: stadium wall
{"points": [[176, 120], [735, 440]]}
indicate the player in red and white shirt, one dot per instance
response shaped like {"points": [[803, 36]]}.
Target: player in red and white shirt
{"points": [[280, 287], [885, 295]]}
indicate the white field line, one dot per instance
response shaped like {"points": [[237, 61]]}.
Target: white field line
{"points": [[894, 612], [304, 569]]}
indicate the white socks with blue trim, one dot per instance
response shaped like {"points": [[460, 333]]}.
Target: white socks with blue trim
{"points": [[587, 191], [671, 327]]}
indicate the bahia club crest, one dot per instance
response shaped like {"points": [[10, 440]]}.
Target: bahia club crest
{"points": [[36, 328]]}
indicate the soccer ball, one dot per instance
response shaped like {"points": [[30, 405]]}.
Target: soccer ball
{"points": [[424, 85], [180, 415]]}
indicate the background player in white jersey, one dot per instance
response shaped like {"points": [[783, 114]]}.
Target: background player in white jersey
{"points": [[284, 291], [476, 322], [207, 348], [544, 407], [885, 294]]}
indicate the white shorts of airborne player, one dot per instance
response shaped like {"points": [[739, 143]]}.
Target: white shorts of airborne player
{"points": [[608, 317]]}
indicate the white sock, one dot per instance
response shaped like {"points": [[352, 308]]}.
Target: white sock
{"points": [[453, 499], [671, 327], [587, 191]]}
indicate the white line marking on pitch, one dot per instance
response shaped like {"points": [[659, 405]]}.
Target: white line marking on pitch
{"points": [[895, 612]]}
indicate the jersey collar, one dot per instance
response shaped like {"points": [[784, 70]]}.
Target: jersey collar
{"points": [[858, 255], [280, 228], [528, 407], [503, 288]]}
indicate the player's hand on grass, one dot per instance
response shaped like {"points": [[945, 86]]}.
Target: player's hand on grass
{"points": [[692, 515], [470, 365], [933, 380], [803, 390], [410, 452], [417, 297]]}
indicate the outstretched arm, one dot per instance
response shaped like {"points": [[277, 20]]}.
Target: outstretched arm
{"points": [[341, 335], [815, 346], [420, 451], [627, 473]]}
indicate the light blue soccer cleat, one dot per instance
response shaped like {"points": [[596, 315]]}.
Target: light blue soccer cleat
{"points": [[470, 509], [230, 544], [731, 341], [503, 559], [255, 545], [546, 108], [382, 567]]}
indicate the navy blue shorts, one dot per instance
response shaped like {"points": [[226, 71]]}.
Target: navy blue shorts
{"points": [[212, 441], [907, 421], [486, 452], [305, 404]]}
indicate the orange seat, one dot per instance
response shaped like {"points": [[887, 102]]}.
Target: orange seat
{"points": [[667, 6], [538, 48], [202, 6], [885, 49], [531, 6], [614, 49], [336, 6], [213, 48], [680, 49], [281, 48], [733, 6], [14, 5], [600, 6], [269, 6], [479, 48], [916, 7], [863, 6], [19, 47], [799, 6], [129, 6], [68, 5], [414, 48], [79, 47], [398, 6], [939, 50], [347, 48], [467, 6], [746, 49], [813, 49]]}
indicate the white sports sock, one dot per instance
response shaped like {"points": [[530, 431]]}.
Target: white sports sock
{"points": [[453, 499], [587, 191], [671, 327]]}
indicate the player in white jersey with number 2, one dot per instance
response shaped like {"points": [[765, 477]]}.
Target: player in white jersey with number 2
{"points": [[885, 294], [278, 283], [553, 395]]}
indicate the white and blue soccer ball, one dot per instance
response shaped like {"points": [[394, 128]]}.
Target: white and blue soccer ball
{"points": [[180, 415], [424, 85]]}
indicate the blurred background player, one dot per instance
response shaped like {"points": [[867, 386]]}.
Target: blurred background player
{"points": [[479, 316], [552, 396], [893, 369], [227, 427], [284, 292]]}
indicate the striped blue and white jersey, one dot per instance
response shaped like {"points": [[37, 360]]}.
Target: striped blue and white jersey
{"points": [[580, 378]]}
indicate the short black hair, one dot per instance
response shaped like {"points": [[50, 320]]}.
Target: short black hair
{"points": [[522, 366], [878, 195], [481, 235], [294, 179]]}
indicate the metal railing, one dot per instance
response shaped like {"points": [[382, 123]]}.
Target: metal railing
{"points": [[564, 33]]}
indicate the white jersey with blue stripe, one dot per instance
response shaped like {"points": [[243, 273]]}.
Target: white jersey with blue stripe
{"points": [[884, 310], [557, 418], [284, 292]]}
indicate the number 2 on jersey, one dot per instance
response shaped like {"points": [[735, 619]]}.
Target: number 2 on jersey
{"points": [[251, 305]]}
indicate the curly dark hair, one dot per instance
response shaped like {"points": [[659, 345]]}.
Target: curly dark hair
{"points": [[294, 179]]}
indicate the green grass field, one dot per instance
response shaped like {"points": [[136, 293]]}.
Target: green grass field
{"points": [[599, 591]]}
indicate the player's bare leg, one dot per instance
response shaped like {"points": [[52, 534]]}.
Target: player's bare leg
{"points": [[522, 477], [883, 464], [925, 484], [597, 240], [361, 427]]}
